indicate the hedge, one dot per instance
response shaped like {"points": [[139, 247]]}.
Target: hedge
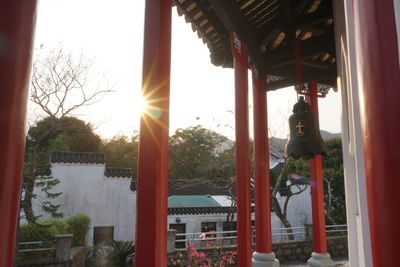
{"points": [[46, 230]]}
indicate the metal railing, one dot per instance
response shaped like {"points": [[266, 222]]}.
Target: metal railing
{"points": [[280, 234], [35, 249], [342, 228]]}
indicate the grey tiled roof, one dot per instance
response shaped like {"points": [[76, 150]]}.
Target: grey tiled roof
{"points": [[118, 172], [77, 157], [277, 147], [198, 187], [177, 187], [200, 210]]}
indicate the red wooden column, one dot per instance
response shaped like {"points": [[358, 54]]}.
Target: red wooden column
{"points": [[240, 58], [379, 84], [152, 192], [261, 168], [263, 255], [17, 22], [317, 187]]}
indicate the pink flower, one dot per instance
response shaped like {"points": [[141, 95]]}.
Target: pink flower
{"points": [[208, 245]]}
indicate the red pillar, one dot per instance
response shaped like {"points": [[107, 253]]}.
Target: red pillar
{"points": [[379, 85], [317, 187], [242, 154], [152, 192], [17, 22], [261, 168]]}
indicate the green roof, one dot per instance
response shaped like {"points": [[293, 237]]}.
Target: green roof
{"points": [[192, 201]]}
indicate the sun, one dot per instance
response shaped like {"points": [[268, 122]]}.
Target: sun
{"points": [[142, 104]]}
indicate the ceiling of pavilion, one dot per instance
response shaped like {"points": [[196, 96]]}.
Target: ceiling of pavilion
{"points": [[269, 27]]}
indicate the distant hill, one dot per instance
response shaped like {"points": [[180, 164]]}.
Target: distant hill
{"points": [[327, 135], [277, 145]]}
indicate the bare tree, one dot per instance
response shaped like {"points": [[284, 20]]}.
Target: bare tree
{"points": [[328, 206], [60, 85], [281, 212]]}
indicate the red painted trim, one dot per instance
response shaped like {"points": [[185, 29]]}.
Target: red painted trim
{"points": [[242, 156], [261, 168], [379, 85], [17, 22], [317, 186], [152, 191]]}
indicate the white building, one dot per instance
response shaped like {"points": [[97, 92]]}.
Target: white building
{"points": [[108, 197]]}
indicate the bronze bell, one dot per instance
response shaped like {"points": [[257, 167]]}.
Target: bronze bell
{"points": [[305, 140]]}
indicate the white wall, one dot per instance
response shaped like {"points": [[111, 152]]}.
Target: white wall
{"points": [[110, 202], [356, 200], [193, 222], [107, 201], [299, 213]]}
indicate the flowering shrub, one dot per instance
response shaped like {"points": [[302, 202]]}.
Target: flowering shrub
{"points": [[191, 257]]}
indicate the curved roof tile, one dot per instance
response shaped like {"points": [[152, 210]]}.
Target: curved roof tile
{"points": [[77, 157]]}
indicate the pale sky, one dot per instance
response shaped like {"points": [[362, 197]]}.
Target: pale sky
{"points": [[111, 32]]}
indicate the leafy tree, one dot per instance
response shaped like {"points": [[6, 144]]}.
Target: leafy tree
{"points": [[335, 202], [59, 87], [122, 152], [48, 135], [196, 152], [62, 134]]}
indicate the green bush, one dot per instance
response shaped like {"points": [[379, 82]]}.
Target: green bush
{"points": [[46, 230], [78, 226], [41, 231]]}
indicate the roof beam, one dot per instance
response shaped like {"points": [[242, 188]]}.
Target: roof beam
{"points": [[301, 6], [234, 21], [325, 77], [309, 20], [309, 47], [319, 16], [308, 63]]}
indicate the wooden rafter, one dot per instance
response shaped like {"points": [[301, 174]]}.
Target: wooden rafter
{"points": [[329, 79], [300, 22], [309, 48], [234, 21]]}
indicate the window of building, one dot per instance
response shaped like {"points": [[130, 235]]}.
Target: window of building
{"points": [[229, 226], [103, 234], [209, 227], [180, 229]]}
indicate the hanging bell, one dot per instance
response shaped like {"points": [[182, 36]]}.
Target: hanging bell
{"points": [[305, 140]]}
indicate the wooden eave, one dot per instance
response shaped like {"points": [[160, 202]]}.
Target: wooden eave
{"points": [[268, 27]]}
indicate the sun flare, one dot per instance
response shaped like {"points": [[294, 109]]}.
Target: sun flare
{"points": [[142, 105]]}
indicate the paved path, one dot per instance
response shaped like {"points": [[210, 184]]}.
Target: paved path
{"points": [[340, 263]]}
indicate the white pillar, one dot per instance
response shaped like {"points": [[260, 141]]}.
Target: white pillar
{"points": [[356, 200], [397, 16]]}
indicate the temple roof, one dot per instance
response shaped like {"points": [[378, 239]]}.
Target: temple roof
{"points": [[268, 27], [118, 172], [78, 157]]}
